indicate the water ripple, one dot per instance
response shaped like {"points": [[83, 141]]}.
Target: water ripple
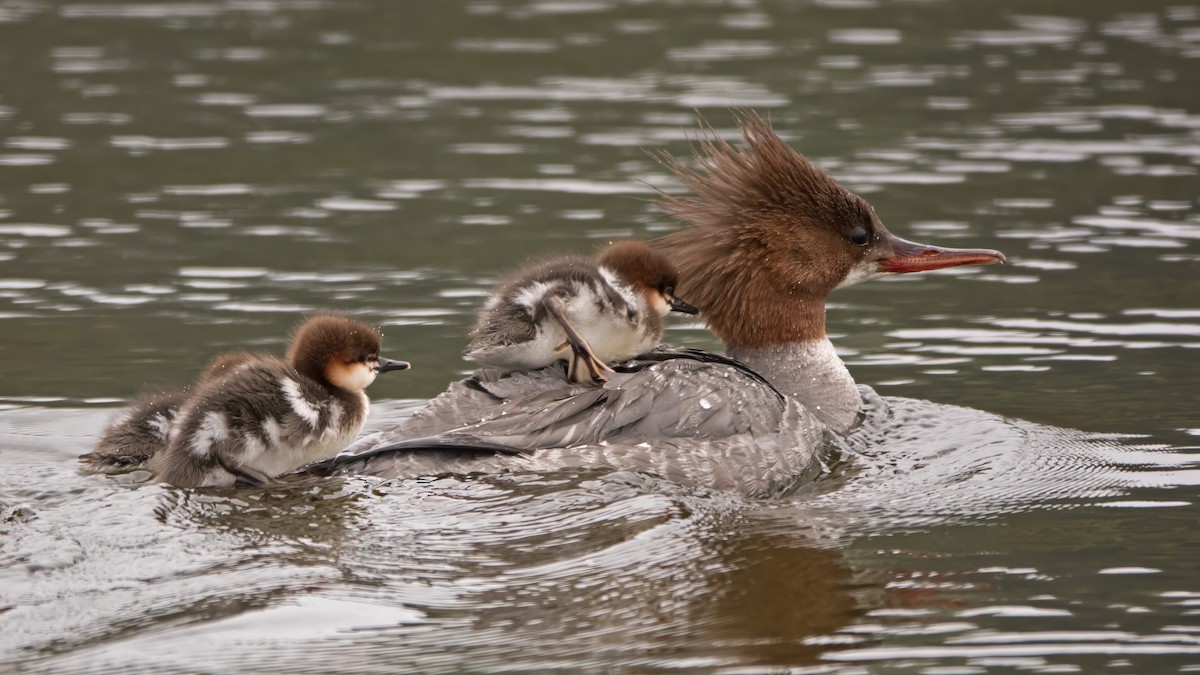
{"points": [[173, 196], [143, 143]]}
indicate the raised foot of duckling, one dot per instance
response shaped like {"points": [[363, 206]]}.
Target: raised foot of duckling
{"points": [[583, 366]]}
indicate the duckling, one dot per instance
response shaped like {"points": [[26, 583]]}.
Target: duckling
{"points": [[587, 312], [143, 430], [270, 416]]}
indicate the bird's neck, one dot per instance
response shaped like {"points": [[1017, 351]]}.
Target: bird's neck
{"points": [[810, 372]]}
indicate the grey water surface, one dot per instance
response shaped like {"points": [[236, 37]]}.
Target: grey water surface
{"points": [[179, 179]]}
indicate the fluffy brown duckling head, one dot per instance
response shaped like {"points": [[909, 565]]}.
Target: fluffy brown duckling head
{"points": [[649, 271], [339, 351]]}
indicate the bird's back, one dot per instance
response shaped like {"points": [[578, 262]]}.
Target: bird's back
{"points": [[694, 421]]}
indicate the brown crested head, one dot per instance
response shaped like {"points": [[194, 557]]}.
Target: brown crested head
{"points": [[771, 235], [637, 263], [327, 341]]}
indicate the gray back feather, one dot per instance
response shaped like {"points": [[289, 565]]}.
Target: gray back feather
{"points": [[703, 424]]}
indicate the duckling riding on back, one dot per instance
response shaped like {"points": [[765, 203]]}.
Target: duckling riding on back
{"points": [[587, 312]]}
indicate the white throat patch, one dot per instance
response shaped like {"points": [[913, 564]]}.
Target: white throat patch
{"points": [[862, 272], [352, 377]]}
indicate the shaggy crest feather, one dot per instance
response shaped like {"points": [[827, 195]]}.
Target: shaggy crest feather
{"points": [[757, 258]]}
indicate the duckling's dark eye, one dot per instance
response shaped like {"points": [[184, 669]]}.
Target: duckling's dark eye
{"points": [[859, 236], [668, 290]]}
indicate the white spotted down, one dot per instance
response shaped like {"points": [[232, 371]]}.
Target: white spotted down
{"points": [[627, 293], [213, 429], [160, 425], [300, 405], [531, 297], [274, 431], [608, 329]]}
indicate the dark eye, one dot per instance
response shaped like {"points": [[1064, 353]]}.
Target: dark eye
{"points": [[859, 236], [668, 290]]}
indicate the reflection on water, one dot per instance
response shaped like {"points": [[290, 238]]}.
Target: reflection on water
{"points": [[186, 178]]}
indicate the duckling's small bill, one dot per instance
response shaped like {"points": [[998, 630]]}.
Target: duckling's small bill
{"points": [[386, 365], [680, 306]]}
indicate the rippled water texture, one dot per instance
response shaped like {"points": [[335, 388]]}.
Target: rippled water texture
{"points": [[181, 179]]}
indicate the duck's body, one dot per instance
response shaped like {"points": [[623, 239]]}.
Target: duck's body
{"points": [[272, 416], [588, 312], [770, 236], [143, 430]]}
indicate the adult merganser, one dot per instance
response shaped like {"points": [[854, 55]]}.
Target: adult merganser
{"points": [[269, 416], [143, 429], [602, 310], [770, 236]]}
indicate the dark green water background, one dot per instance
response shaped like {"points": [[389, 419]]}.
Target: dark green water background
{"points": [[179, 179]]}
